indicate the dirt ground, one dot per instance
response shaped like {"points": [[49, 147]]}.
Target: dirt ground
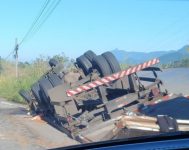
{"points": [[18, 131]]}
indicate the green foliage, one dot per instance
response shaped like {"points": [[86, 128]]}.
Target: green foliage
{"points": [[29, 73], [61, 58], [176, 64], [1, 66], [68, 63], [124, 66], [23, 64]]}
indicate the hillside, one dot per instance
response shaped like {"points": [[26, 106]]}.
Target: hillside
{"points": [[138, 57]]}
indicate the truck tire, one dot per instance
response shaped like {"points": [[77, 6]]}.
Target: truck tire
{"points": [[54, 79], [25, 95], [84, 64], [53, 62], [114, 65], [46, 85], [90, 55], [112, 61], [36, 92], [102, 66]]}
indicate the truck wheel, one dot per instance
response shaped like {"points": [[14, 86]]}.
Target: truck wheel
{"points": [[114, 65], [84, 64], [102, 66], [90, 55], [112, 61], [36, 92], [54, 79], [45, 85], [53, 62], [25, 95]]}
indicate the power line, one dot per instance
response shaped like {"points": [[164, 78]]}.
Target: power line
{"points": [[41, 18], [45, 13], [31, 27], [174, 37], [35, 21], [46, 16], [12, 52], [165, 29]]}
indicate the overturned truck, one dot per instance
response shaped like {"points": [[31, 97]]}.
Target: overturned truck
{"points": [[88, 102]]}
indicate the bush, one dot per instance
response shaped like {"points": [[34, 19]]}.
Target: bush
{"points": [[10, 85]]}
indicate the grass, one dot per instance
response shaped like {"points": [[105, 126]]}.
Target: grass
{"points": [[10, 85], [29, 73]]}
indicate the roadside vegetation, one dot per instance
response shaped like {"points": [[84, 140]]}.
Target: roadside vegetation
{"points": [[183, 63], [29, 72]]}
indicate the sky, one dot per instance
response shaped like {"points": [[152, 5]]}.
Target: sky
{"points": [[99, 25]]}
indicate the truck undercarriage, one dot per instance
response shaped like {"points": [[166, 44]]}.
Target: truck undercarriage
{"points": [[97, 100]]}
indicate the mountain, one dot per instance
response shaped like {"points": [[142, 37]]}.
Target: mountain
{"points": [[175, 55], [139, 57]]}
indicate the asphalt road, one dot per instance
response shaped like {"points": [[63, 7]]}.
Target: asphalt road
{"points": [[19, 132], [174, 80]]}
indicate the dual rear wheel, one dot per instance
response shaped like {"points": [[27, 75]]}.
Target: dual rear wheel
{"points": [[105, 64]]}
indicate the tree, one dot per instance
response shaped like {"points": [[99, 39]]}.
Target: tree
{"points": [[23, 64], [61, 58]]}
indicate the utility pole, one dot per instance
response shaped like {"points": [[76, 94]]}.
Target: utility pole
{"points": [[16, 56]]}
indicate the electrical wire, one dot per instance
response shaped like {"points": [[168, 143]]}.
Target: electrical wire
{"points": [[165, 29], [174, 37], [46, 16], [43, 15], [9, 54], [35, 21]]}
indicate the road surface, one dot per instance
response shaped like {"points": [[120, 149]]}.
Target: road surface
{"points": [[176, 80], [18, 131]]}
